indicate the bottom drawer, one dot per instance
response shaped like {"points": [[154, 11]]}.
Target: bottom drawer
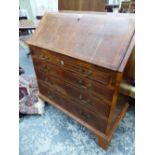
{"points": [[84, 114]]}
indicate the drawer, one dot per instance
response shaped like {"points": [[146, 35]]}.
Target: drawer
{"points": [[96, 88], [51, 94], [82, 97], [72, 106], [82, 68]]}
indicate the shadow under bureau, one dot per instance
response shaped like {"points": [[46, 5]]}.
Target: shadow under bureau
{"points": [[79, 60]]}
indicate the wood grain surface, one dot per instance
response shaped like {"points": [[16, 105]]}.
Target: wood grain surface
{"points": [[79, 60], [83, 5], [100, 39]]}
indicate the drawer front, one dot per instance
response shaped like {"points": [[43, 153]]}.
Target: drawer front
{"points": [[84, 69], [96, 88], [71, 106], [82, 97]]}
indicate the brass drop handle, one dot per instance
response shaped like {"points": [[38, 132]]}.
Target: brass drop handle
{"points": [[84, 115], [49, 81], [82, 70], [86, 73], [82, 83], [84, 101], [80, 97], [44, 57], [87, 101], [45, 68]]}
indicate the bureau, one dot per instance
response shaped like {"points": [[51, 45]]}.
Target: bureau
{"points": [[79, 60]]}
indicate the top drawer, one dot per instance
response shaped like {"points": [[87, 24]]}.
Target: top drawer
{"points": [[85, 69]]}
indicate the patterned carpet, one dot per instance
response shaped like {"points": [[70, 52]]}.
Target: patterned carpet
{"points": [[54, 133]]}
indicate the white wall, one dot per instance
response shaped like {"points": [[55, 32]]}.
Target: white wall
{"points": [[41, 6]]}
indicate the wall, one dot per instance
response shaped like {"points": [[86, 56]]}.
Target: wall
{"points": [[39, 7], [25, 4]]}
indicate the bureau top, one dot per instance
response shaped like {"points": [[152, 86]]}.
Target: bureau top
{"points": [[103, 39]]}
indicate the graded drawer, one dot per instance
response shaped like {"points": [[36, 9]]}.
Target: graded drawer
{"points": [[96, 88], [82, 68], [71, 106], [82, 97]]}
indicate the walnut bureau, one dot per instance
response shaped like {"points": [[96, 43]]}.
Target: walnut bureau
{"points": [[79, 60]]}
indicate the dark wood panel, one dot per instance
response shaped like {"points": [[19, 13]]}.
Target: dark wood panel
{"points": [[45, 70], [82, 5], [82, 97], [83, 113], [84, 69]]}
